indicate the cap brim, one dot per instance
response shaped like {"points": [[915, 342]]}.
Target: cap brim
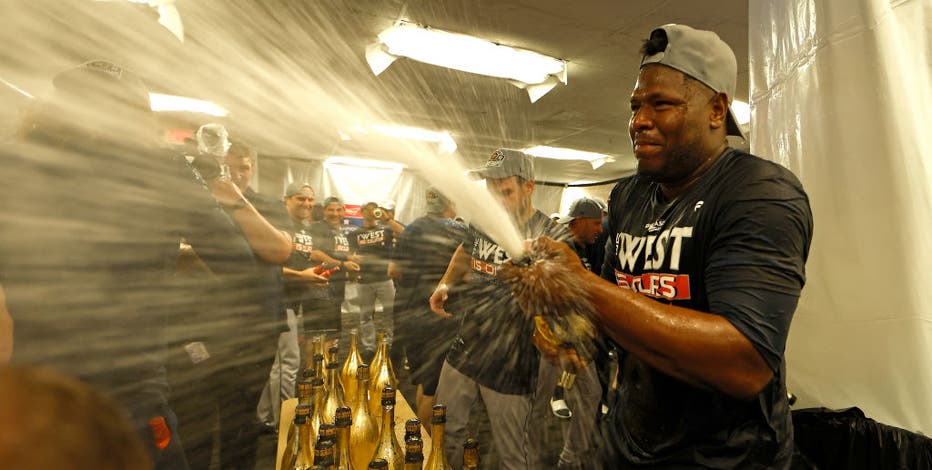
{"points": [[731, 125], [565, 220]]}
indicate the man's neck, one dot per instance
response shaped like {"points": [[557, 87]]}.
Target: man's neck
{"points": [[674, 190], [522, 219]]}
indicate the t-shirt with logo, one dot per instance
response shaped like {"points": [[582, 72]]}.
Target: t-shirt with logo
{"points": [[332, 241], [302, 245], [735, 245], [375, 245], [494, 345]]}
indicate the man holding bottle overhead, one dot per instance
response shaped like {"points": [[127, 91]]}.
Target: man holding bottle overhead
{"points": [[705, 266], [492, 356]]}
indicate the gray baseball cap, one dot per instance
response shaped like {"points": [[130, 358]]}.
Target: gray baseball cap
{"points": [[585, 208], [436, 201], [297, 187], [504, 163], [701, 55]]}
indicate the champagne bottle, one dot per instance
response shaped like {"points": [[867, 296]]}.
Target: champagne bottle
{"points": [[412, 429], [383, 377], [364, 435], [293, 440], [311, 350], [348, 375], [342, 458], [438, 458], [323, 455], [304, 458], [471, 454], [335, 398], [378, 464], [376, 362], [414, 453], [388, 447], [317, 408], [304, 392], [318, 365]]}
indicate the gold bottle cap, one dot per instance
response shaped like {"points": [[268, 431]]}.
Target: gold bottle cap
{"points": [[412, 428], [302, 410], [471, 453], [388, 396], [344, 417], [414, 446], [439, 414], [327, 432], [362, 372], [317, 382], [378, 464]]}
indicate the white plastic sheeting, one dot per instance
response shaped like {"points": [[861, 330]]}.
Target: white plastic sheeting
{"points": [[841, 93]]}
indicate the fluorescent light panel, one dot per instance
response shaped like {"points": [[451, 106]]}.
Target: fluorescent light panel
{"points": [[363, 163], [560, 153], [443, 139], [469, 54], [163, 103]]}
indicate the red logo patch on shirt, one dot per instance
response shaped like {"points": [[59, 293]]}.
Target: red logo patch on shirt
{"points": [[483, 267], [658, 285]]}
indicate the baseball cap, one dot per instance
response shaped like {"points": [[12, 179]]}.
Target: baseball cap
{"points": [[387, 204], [436, 201], [585, 208], [297, 188], [101, 78], [504, 163], [701, 55]]}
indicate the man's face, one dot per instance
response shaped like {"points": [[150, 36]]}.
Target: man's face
{"points": [[513, 195], [241, 170], [669, 119], [586, 230], [300, 205], [333, 213]]}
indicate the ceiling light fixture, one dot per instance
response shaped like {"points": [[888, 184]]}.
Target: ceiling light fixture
{"points": [[559, 153], [164, 103], [443, 139], [362, 163], [534, 72]]}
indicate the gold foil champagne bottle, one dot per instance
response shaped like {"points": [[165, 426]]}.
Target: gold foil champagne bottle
{"points": [[293, 440], [323, 455], [378, 464], [304, 392], [414, 454], [328, 433], [377, 358], [348, 374], [388, 447], [438, 458], [471, 454], [364, 434], [304, 459], [342, 458], [318, 394], [382, 377], [335, 398], [319, 365], [312, 349]]}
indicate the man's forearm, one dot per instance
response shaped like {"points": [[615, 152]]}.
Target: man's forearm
{"points": [[322, 257], [458, 267], [699, 348], [269, 243]]}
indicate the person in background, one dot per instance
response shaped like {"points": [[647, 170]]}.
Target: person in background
{"points": [[332, 247], [89, 283], [420, 259], [492, 356], [579, 406], [704, 272], [53, 421], [372, 244], [386, 216]]}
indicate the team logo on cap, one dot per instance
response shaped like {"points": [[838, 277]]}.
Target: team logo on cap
{"points": [[106, 67], [496, 160]]}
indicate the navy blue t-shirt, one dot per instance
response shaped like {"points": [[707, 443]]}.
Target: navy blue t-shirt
{"points": [[735, 245]]}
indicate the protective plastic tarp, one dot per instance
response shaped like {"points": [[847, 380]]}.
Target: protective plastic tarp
{"points": [[847, 439], [840, 93]]}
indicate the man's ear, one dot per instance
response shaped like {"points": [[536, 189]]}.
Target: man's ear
{"points": [[529, 186], [718, 111]]}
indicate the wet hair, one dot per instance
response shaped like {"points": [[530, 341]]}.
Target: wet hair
{"points": [[331, 200], [656, 43], [242, 150], [74, 423]]}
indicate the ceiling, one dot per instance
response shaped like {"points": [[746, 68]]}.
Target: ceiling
{"points": [[293, 72]]}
